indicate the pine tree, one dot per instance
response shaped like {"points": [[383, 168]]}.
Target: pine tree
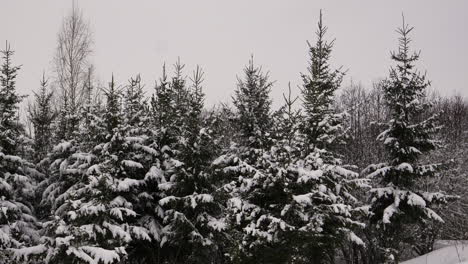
{"points": [[398, 201], [145, 151], [253, 105], [9, 100], [62, 160], [91, 128], [18, 225], [66, 167], [252, 178], [323, 204], [42, 114], [134, 102], [318, 89], [192, 223], [61, 123], [167, 105]]}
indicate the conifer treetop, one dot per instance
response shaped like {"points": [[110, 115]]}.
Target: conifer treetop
{"points": [[318, 88], [253, 103]]}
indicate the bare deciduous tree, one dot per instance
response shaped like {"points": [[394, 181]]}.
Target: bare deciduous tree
{"points": [[71, 64]]}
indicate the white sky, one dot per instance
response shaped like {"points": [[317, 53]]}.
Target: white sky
{"points": [[139, 36]]}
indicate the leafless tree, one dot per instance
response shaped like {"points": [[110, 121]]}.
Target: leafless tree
{"points": [[365, 114], [72, 63]]}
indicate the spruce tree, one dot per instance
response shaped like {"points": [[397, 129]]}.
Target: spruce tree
{"points": [[398, 201], [41, 115], [99, 216], [9, 100], [253, 105], [192, 213], [145, 151], [323, 209], [165, 104], [91, 125], [318, 89], [18, 225], [61, 123], [253, 180], [287, 120], [134, 102]]}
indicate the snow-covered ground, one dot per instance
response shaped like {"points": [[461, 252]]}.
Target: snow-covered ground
{"points": [[454, 252]]}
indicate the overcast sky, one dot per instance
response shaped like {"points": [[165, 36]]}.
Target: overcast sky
{"points": [[139, 36]]}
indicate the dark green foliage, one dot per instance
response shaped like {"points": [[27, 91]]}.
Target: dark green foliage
{"points": [[287, 120], [112, 116], [398, 202], [253, 103], [193, 215], [18, 225], [10, 129], [41, 115], [318, 89]]}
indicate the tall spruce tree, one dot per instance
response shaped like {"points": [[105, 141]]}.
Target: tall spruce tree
{"points": [[145, 151], [322, 191], [9, 100], [398, 201], [254, 178], [168, 107], [192, 213], [18, 225], [41, 114], [253, 105], [91, 125], [134, 102], [318, 89]]}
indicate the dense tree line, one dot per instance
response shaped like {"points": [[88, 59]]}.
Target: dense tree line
{"points": [[336, 175]]}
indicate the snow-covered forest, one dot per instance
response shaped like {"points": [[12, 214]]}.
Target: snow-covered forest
{"points": [[340, 173]]}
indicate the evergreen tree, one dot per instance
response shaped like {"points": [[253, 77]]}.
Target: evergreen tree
{"points": [[61, 123], [192, 213], [62, 161], [42, 114], [97, 215], [134, 102], [253, 180], [168, 104], [287, 120], [136, 118], [91, 126], [253, 105], [398, 201], [324, 191], [318, 90], [9, 100], [18, 225]]}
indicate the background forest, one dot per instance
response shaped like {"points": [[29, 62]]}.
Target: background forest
{"points": [[339, 174]]}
